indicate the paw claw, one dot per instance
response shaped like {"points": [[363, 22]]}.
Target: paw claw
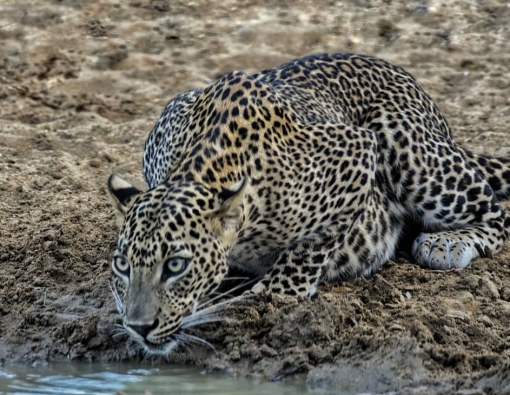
{"points": [[258, 288]]}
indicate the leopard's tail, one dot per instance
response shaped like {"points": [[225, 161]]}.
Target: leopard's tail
{"points": [[495, 170]]}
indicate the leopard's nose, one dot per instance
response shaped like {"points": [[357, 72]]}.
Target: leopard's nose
{"points": [[144, 330]]}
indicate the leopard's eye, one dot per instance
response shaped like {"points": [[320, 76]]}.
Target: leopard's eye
{"points": [[121, 266], [173, 267]]}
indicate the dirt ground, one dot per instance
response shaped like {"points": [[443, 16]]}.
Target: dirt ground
{"points": [[83, 82]]}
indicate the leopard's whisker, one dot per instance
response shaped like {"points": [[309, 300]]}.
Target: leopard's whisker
{"points": [[196, 339], [195, 321], [235, 278], [216, 307], [118, 327], [219, 296], [116, 296], [183, 344]]}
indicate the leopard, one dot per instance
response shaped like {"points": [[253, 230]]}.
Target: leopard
{"points": [[315, 170]]}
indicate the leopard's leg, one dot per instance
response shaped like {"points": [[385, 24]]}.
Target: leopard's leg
{"points": [[463, 220], [299, 268], [428, 176], [358, 251], [302, 263], [372, 241]]}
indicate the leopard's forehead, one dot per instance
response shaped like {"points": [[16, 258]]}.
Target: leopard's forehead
{"points": [[165, 220], [171, 199]]}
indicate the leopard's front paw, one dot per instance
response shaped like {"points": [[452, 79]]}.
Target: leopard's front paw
{"points": [[442, 251]]}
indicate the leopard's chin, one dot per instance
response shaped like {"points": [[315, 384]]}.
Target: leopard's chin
{"points": [[163, 348]]}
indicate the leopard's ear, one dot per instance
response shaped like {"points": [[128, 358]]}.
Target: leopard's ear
{"points": [[230, 202], [122, 194]]}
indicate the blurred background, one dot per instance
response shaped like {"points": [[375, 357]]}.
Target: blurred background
{"points": [[123, 60]]}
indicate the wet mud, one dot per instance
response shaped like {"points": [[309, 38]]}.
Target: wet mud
{"points": [[81, 85]]}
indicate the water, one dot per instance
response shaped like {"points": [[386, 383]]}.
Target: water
{"points": [[102, 379]]}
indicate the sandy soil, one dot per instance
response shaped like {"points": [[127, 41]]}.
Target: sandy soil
{"points": [[82, 83]]}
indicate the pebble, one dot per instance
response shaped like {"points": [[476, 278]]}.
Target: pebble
{"points": [[485, 320], [487, 288]]}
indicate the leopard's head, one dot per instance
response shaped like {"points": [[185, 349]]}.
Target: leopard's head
{"points": [[171, 253]]}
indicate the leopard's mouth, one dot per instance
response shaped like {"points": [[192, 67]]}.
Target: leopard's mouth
{"points": [[154, 344], [207, 312], [161, 348]]}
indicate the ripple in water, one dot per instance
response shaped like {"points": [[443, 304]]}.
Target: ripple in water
{"points": [[108, 379]]}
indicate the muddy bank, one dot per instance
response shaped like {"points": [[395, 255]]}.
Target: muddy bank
{"points": [[82, 83]]}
